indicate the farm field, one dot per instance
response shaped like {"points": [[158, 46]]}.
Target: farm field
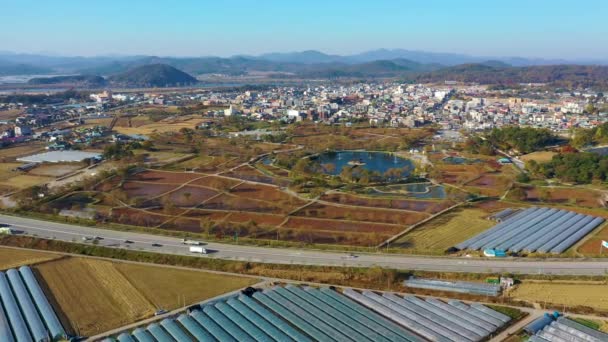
{"points": [[55, 170], [164, 286], [97, 295], [592, 245], [568, 294], [25, 181], [426, 206], [11, 258], [9, 154], [540, 157], [569, 196], [445, 231]]}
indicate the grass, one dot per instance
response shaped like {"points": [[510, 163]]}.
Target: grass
{"points": [[20, 151], [11, 258], [6, 170], [97, 295], [93, 295], [56, 170], [25, 181], [590, 295], [540, 157], [514, 313], [169, 288], [445, 231]]}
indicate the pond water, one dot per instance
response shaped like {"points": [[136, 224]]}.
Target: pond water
{"points": [[372, 161]]}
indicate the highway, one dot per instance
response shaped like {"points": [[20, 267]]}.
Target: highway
{"points": [[171, 245]]}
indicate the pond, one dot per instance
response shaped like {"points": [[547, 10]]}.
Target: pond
{"points": [[372, 161]]}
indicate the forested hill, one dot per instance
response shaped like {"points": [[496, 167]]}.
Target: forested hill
{"points": [[564, 75], [153, 75]]}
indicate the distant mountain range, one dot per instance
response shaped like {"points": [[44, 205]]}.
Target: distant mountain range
{"points": [[416, 66]]}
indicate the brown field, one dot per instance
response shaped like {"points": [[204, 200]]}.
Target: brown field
{"points": [[413, 205], [147, 190], [25, 181], [250, 174], [96, 296], [11, 258], [266, 193], [260, 219], [340, 226], [165, 177], [10, 114], [445, 231], [361, 214], [190, 196], [8, 154], [541, 157], [231, 202], [592, 246], [6, 170], [55, 170], [567, 294], [162, 126], [572, 196]]}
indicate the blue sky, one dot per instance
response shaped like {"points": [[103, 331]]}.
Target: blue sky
{"points": [[529, 28]]}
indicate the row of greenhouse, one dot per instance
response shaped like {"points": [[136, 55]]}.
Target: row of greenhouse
{"points": [[548, 328], [301, 313], [542, 230], [25, 312], [481, 289]]}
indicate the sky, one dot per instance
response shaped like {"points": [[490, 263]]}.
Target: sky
{"points": [[526, 28]]}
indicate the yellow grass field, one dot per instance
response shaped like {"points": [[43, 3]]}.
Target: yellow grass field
{"points": [[569, 294], [11, 258], [25, 181], [6, 170], [541, 156], [445, 231], [164, 287], [93, 295], [56, 170], [98, 295], [20, 151]]}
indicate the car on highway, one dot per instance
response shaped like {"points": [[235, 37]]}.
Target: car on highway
{"points": [[156, 245], [128, 241]]}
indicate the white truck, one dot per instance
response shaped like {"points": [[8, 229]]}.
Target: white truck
{"points": [[199, 250], [5, 231], [191, 242]]}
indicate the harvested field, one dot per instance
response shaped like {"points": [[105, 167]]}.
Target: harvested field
{"points": [[445, 231], [165, 177], [170, 288], [250, 174], [9, 154], [413, 205], [559, 294], [190, 196], [55, 170], [362, 214], [146, 190], [340, 226], [137, 217], [229, 202], [540, 157], [218, 183], [572, 196], [266, 193], [11, 258], [206, 215], [593, 245], [93, 294], [259, 219], [25, 181], [6, 170]]}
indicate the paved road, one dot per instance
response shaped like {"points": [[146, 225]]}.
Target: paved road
{"points": [[169, 245]]}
